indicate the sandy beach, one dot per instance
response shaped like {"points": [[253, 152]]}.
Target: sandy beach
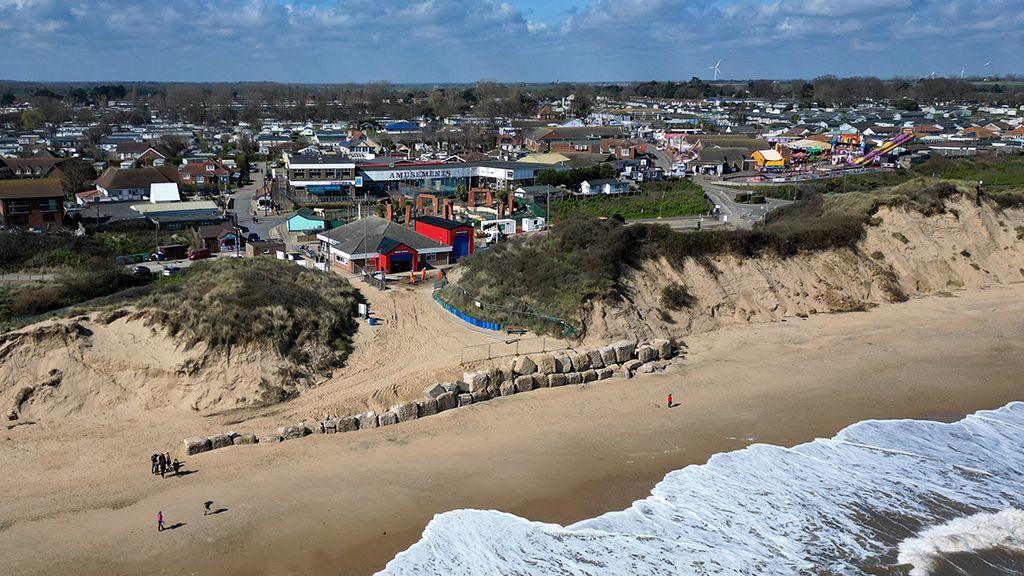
{"points": [[76, 496]]}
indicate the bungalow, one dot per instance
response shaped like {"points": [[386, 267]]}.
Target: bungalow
{"points": [[306, 220], [120, 184], [178, 215], [33, 167], [219, 237], [721, 160], [31, 203], [137, 151], [376, 244], [209, 173], [603, 186]]}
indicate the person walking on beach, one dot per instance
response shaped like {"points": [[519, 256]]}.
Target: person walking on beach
{"points": [[160, 521], [162, 464], [153, 464], [206, 507], [176, 467], [669, 400]]}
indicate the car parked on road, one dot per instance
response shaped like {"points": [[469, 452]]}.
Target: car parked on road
{"points": [[170, 270], [199, 254], [253, 237], [141, 272]]}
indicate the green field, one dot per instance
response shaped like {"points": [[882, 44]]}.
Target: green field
{"points": [[654, 200]]}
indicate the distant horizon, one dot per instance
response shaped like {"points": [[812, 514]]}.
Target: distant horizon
{"points": [[1009, 77], [425, 42]]}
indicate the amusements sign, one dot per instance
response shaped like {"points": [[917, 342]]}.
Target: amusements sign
{"points": [[420, 174]]}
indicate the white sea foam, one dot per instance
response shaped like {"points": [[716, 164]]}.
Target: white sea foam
{"points": [[834, 506], [1003, 530]]}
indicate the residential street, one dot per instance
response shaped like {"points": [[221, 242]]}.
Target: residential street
{"points": [[739, 215], [243, 207]]}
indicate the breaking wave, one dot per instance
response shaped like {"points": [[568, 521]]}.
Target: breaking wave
{"points": [[980, 533], [835, 506]]}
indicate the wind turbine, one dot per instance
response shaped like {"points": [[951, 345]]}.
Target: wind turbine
{"points": [[962, 72], [715, 68]]}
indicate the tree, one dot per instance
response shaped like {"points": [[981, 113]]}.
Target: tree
{"points": [[75, 176], [32, 119], [7, 99], [173, 146]]}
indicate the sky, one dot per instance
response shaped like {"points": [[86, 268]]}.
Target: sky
{"points": [[438, 41]]}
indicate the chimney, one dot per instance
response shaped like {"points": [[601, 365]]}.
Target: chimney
{"points": [[408, 214], [390, 215]]}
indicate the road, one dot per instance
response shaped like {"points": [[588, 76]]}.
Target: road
{"points": [[741, 216], [662, 159], [680, 222], [243, 208]]}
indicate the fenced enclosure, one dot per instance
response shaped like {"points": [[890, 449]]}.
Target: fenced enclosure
{"points": [[513, 347]]}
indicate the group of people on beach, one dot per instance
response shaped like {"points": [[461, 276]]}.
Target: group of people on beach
{"points": [[162, 464]]}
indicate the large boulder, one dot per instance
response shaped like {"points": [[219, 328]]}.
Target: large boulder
{"points": [[434, 391], [329, 426], [580, 361], [406, 411], [523, 366], [539, 380], [293, 432], [270, 439], [589, 375], [608, 355], [646, 354], [524, 384], [631, 365], [452, 386], [481, 395], [563, 361], [508, 387], [622, 372], [222, 440], [547, 364], [367, 420], [244, 439], [574, 378], [624, 350], [447, 401], [646, 368], [476, 381], [605, 373], [596, 360], [664, 348], [465, 399], [197, 445], [387, 418], [348, 423], [427, 407], [556, 380]]}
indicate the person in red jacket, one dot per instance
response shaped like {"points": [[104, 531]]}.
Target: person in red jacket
{"points": [[669, 400]]}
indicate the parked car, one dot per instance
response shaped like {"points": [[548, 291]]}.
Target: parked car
{"points": [[170, 270], [252, 237], [141, 272], [199, 254]]}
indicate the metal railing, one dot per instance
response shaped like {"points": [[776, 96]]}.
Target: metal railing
{"points": [[513, 347]]}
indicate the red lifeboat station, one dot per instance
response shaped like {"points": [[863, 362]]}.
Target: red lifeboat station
{"points": [[377, 244], [448, 232]]}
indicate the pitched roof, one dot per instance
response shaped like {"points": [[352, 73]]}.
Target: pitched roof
{"points": [[31, 188], [122, 178], [41, 166], [373, 235], [200, 168]]}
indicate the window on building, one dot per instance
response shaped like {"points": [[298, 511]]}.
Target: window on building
{"points": [[50, 205], [18, 207]]}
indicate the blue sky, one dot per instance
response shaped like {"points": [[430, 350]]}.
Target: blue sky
{"points": [[511, 40]]}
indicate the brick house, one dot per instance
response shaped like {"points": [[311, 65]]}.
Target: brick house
{"points": [[208, 173], [31, 203]]}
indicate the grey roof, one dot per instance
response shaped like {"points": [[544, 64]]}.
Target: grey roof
{"points": [[373, 235]]}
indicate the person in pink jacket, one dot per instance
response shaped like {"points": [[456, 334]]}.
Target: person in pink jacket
{"points": [[160, 521]]}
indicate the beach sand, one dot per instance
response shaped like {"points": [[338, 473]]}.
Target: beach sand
{"points": [[77, 497]]}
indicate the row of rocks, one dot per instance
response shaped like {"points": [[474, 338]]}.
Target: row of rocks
{"points": [[622, 359]]}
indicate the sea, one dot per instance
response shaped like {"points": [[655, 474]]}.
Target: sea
{"points": [[882, 497]]}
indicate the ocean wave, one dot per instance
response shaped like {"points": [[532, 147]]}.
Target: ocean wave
{"points": [[1003, 530], [832, 506]]}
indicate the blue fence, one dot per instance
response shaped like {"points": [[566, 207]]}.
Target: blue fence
{"points": [[474, 321]]}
